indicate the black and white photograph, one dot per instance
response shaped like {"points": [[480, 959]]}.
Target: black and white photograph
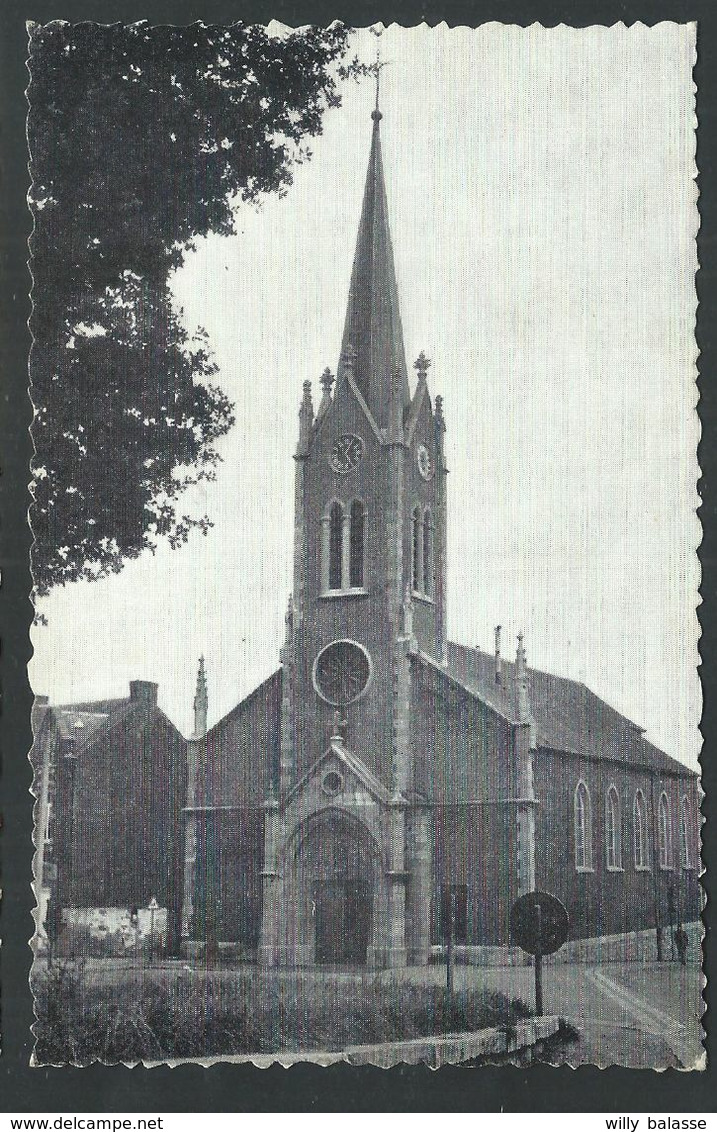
{"points": [[365, 653]]}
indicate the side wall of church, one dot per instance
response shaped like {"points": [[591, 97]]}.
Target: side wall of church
{"points": [[238, 769], [474, 849], [242, 750], [240, 863], [463, 751], [465, 766], [604, 899]]}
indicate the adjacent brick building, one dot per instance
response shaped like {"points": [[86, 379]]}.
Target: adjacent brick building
{"points": [[110, 784]]}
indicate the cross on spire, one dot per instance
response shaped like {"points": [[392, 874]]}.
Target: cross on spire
{"points": [[422, 365], [373, 320], [338, 727], [376, 69]]}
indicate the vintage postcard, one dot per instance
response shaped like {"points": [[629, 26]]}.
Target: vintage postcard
{"points": [[365, 487]]}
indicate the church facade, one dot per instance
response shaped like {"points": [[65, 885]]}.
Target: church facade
{"points": [[385, 781]]}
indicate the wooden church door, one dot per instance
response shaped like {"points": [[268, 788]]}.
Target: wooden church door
{"points": [[330, 921], [340, 868], [343, 919]]}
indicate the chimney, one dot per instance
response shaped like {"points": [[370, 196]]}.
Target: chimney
{"points": [[521, 683], [143, 692], [498, 661]]}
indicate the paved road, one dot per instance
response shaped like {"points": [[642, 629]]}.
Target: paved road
{"points": [[637, 1015]]}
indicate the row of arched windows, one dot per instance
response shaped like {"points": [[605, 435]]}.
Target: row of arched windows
{"points": [[343, 533], [583, 831], [422, 551]]}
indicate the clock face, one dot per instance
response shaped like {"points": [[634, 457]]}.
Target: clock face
{"points": [[345, 453], [341, 672], [424, 461]]}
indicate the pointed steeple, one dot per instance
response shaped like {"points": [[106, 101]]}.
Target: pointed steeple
{"points": [[201, 702], [373, 321]]}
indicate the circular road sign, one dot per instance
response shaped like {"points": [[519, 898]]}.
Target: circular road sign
{"points": [[539, 923]]}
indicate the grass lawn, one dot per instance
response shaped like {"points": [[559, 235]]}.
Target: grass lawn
{"points": [[105, 1012]]}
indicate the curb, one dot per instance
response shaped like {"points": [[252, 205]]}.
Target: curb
{"points": [[447, 1049]]}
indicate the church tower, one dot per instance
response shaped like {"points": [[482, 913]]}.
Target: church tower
{"points": [[347, 858], [370, 517]]}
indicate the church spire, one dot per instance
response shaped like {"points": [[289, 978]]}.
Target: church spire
{"points": [[373, 321]]}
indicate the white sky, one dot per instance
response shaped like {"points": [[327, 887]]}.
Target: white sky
{"points": [[542, 205]]}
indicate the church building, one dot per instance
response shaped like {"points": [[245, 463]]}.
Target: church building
{"points": [[384, 778]]}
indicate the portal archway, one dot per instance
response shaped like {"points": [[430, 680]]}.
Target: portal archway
{"points": [[334, 870]]}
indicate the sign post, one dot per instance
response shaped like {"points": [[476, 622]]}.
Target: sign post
{"points": [[450, 952], [538, 961], [134, 921], [539, 924], [153, 907]]}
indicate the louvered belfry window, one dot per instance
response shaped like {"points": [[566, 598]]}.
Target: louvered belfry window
{"points": [[356, 563], [427, 553], [336, 539], [416, 550]]}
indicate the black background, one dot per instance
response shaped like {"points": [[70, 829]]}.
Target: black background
{"points": [[231, 1088]]}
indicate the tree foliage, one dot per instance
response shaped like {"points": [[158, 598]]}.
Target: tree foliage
{"points": [[143, 138]]}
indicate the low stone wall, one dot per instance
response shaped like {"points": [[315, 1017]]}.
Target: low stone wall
{"points": [[632, 947], [227, 952], [497, 1042], [521, 1042], [108, 932], [482, 956]]}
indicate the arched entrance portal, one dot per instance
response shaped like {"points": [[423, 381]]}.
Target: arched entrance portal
{"points": [[337, 879]]}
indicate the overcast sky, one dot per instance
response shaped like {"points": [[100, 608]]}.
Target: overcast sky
{"points": [[542, 205]]}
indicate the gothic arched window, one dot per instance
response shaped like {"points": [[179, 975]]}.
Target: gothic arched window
{"points": [[639, 825], [583, 828], [664, 832], [613, 832], [416, 550], [357, 535], [427, 553], [336, 545], [684, 834]]}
